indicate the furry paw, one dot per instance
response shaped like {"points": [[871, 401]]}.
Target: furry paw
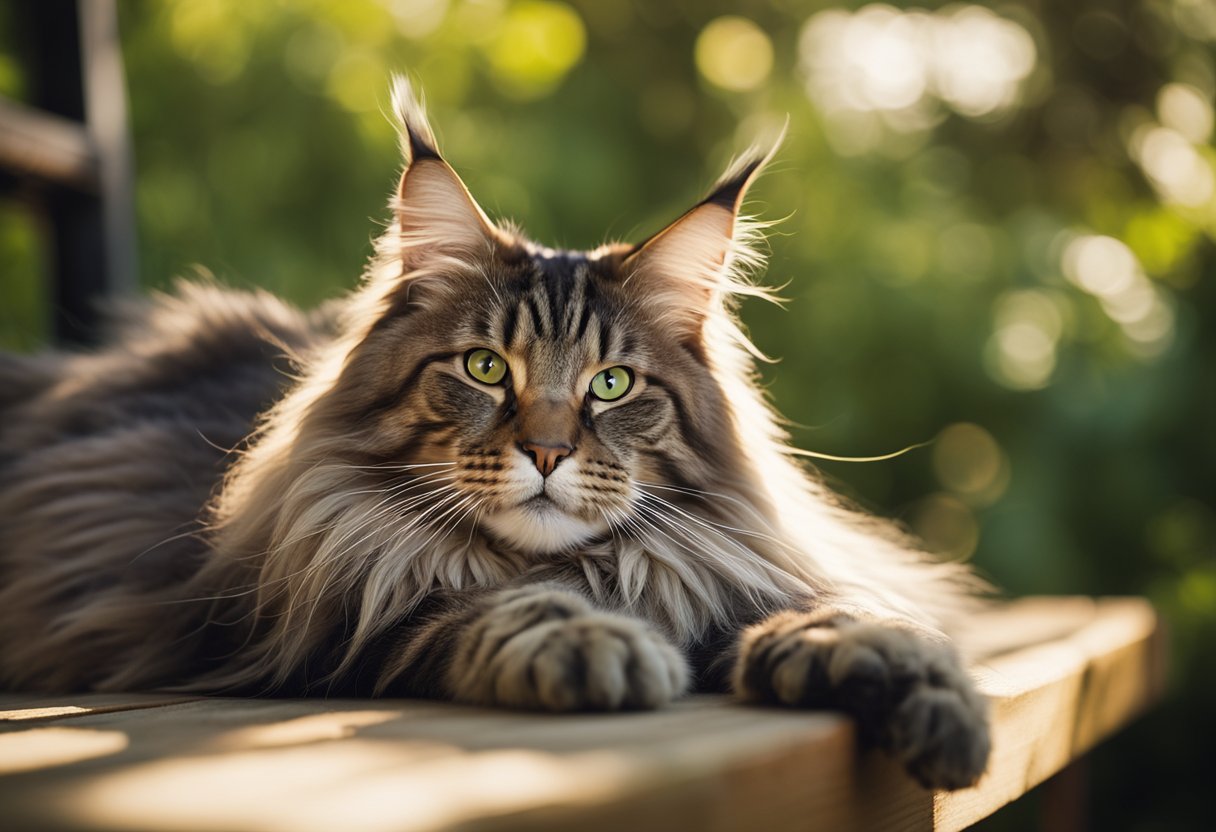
{"points": [[908, 692], [547, 649]]}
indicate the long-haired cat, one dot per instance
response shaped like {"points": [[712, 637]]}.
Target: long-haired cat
{"points": [[495, 473]]}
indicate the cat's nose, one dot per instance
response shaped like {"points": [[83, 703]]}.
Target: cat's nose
{"points": [[545, 457]]}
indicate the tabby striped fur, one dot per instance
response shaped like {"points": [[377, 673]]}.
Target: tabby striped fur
{"points": [[178, 511]]}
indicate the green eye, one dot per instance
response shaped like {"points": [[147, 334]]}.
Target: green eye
{"points": [[486, 366], [609, 385]]}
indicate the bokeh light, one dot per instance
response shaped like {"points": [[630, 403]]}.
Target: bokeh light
{"points": [[1107, 269], [1173, 165], [352, 79], [979, 59], [969, 461], [734, 53], [883, 66], [1027, 327], [1185, 109], [537, 44], [418, 18], [203, 32]]}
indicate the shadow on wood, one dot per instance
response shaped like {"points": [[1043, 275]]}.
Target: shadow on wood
{"points": [[1062, 673]]}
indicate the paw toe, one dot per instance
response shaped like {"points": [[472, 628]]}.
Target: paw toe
{"points": [[656, 671], [942, 738], [907, 690], [605, 685], [588, 662], [862, 682]]}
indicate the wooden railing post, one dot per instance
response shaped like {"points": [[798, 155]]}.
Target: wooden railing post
{"points": [[71, 157]]}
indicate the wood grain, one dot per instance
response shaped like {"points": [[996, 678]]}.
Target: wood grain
{"points": [[1062, 674]]}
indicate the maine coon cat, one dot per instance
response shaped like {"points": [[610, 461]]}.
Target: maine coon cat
{"points": [[495, 473]]}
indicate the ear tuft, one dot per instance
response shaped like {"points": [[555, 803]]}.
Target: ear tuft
{"points": [[732, 185], [436, 217], [417, 138], [702, 259]]}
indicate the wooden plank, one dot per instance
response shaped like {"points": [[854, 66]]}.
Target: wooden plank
{"points": [[20, 708], [1051, 702], [704, 764], [1016, 625]]}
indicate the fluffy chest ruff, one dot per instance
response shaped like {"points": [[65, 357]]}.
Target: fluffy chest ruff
{"points": [[383, 550]]}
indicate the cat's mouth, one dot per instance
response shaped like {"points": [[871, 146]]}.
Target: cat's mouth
{"points": [[540, 524], [545, 506], [541, 502]]}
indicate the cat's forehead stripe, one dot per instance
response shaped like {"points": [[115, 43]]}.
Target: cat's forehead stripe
{"points": [[534, 313], [510, 319], [604, 334], [554, 298], [578, 310], [560, 299], [556, 290], [584, 315]]}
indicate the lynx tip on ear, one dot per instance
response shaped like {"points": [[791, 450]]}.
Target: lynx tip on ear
{"points": [[731, 187], [417, 138]]}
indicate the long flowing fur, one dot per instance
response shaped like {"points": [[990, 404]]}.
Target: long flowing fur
{"points": [[307, 553], [820, 533]]}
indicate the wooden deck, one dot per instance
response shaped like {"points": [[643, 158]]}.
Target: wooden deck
{"points": [[1062, 673]]}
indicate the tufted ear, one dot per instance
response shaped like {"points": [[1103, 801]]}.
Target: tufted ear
{"points": [[434, 211], [691, 265]]}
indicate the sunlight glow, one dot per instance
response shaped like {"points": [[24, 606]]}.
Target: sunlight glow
{"points": [[734, 53], [902, 65], [406, 784], [418, 18], [969, 461], [538, 43], [1185, 109], [1026, 356], [307, 729], [980, 60], [39, 748], [1027, 327], [1102, 266], [1178, 172], [203, 32], [1107, 268], [355, 80], [42, 713]]}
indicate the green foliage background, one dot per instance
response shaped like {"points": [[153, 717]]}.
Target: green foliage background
{"points": [[263, 155]]}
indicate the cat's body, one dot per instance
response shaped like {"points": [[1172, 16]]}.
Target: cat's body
{"points": [[495, 473]]}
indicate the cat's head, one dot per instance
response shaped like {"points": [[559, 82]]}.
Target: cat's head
{"points": [[541, 393]]}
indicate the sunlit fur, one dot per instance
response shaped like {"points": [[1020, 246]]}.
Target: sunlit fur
{"points": [[162, 535]]}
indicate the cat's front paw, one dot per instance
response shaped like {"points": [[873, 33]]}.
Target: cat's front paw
{"points": [[547, 649], [908, 692]]}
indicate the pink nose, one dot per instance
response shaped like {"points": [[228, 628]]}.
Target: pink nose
{"points": [[545, 457]]}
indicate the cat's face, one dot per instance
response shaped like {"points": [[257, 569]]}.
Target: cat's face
{"points": [[536, 395], [544, 393]]}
